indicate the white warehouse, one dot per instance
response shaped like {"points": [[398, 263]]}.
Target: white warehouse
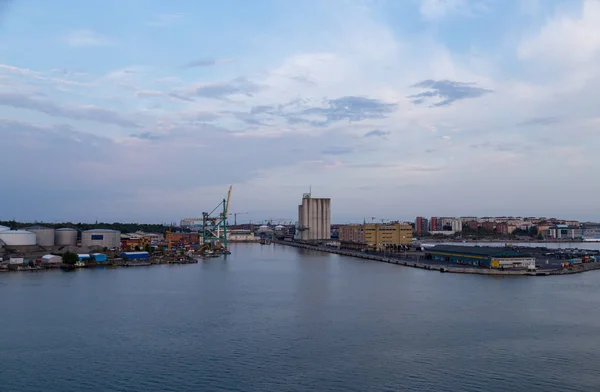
{"points": [[101, 238]]}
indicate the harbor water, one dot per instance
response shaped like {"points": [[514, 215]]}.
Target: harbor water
{"points": [[277, 318]]}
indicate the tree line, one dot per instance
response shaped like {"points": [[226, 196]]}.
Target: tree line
{"points": [[122, 227]]}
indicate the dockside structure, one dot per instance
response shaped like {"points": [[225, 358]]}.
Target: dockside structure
{"points": [[481, 256]]}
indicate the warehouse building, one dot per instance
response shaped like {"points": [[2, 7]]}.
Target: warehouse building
{"points": [[99, 257], [51, 259], [44, 235], [376, 236], [480, 256], [135, 255], [101, 238]]}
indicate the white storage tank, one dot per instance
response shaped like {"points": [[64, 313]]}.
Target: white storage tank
{"points": [[44, 235], [65, 237], [101, 238], [4, 228], [17, 237]]}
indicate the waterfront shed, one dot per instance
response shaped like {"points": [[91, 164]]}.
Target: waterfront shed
{"points": [[99, 257], [83, 256], [481, 256], [135, 255], [51, 259]]}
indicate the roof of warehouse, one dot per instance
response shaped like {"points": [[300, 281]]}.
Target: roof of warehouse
{"points": [[488, 251], [101, 231]]}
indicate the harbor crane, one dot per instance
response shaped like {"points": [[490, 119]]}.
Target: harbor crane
{"points": [[214, 227]]}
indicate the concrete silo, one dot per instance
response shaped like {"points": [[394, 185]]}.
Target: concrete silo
{"points": [[45, 235], [65, 237], [17, 237]]}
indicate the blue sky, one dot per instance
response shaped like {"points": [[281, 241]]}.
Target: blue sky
{"points": [[147, 110]]}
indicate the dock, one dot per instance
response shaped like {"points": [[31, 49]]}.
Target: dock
{"points": [[442, 267]]}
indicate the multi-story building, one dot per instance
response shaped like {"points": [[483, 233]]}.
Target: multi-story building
{"points": [[314, 218], [433, 222], [421, 225], [456, 225], [351, 233], [380, 235], [502, 228], [376, 235], [488, 226], [472, 224], [564, 232]]}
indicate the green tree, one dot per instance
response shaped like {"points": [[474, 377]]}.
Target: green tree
{"points": [[137, 248], [70, 258], [147, 248]]}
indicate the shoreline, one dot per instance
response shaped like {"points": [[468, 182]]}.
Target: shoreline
{"points": [[445, 268]]}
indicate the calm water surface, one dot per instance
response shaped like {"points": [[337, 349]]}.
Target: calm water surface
{"points": [[272, 318]]}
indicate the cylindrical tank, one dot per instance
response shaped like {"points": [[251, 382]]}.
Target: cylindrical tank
{"points": [[17, 237], [65, 237], [4, 228], [45, 235]]}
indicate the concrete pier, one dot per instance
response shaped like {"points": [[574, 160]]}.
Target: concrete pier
{"points": [[442, 267]]}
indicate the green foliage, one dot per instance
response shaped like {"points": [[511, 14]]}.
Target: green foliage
{"points": [[70, 258], [147, 248], [137, 248]]}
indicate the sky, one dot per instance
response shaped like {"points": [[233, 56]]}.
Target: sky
{"points": [[148, 110]]}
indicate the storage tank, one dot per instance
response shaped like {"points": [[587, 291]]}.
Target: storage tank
{"points": [[65, 237], [17, 237], [101, 238], [4, 228], [45, 235]]}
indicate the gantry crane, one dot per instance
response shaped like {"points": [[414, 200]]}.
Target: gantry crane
{"points": [[214, 227]]}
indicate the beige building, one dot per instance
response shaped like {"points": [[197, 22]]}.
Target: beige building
{"points": [[380, 235]]}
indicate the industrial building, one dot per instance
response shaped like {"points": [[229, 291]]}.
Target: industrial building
{"points": [[241, 235], [51, 259], [101, 238], [44, 235], [135, 255], [480, 256], [376, 235], [65, 237], [351, 233], [99, 257], [17, 238], [314, 218]]}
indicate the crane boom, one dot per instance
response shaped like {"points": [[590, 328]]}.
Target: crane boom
{"points": [[228, 197]]}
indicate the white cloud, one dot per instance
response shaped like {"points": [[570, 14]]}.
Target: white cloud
{"points": [[167, 19], [438, 9], [84, 38], [565, 40]]}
